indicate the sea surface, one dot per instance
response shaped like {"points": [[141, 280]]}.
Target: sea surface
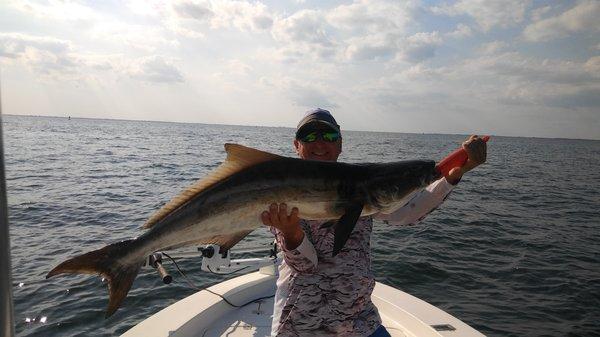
{"points": [[514, 251]]}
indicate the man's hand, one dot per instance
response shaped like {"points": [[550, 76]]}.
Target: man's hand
{"points": [[477, 151], [288, 225]]}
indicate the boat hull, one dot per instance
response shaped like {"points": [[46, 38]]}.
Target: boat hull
{"points": [[205, 314]]}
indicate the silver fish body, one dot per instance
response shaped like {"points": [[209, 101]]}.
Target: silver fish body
{"points": [[228, 207]]}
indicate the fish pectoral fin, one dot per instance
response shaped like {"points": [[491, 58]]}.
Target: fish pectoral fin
{"points": [[105, 261], [345, 225]]}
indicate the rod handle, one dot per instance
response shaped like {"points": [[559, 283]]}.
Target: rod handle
{"points": [[164, 275], [456, 159]]}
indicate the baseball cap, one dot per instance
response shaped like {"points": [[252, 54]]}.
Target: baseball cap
{"points": [[318, 116]]}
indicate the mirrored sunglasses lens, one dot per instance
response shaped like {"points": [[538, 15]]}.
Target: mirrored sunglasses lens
{"points": [[310, 137]]}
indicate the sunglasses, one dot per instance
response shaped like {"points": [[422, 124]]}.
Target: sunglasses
{"points": [[327, 136]]}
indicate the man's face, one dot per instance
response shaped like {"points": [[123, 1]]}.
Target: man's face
{"points": [[319, 149]]}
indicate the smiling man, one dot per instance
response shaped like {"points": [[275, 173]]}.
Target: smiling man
{"points": [[323, 295]]}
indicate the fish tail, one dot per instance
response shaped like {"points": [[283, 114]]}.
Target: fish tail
{"points": [[108, 262]]}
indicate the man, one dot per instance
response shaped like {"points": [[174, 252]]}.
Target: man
{"points": [[321, 295]]}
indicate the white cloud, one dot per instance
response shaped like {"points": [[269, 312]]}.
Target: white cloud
{"points": [[420, 46], [14, 45], [196, 11], [58, 59], [592, 66], [305, 32], [151, 8], [538, 13], [493, 47], [372, 47], [489, 82], [56, 10], [373, 16], [461, 31], [44, 55], [581, 18], [516, 79], [142, 37], [529, 69], [237, 67], [371, 29], [155, 69], [243, 15], [301, 93], [99, 26], [305, 26], [487, 13]]}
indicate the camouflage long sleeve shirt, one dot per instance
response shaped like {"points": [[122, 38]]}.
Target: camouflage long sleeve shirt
{"points": [[321, 295]]}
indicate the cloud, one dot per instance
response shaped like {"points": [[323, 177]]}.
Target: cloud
{"points": [[371, 29], [150, 8], [487, 13], [196, 11], [56, 10], [372, 47], [155, 69], [493, 47], [583, 17], [578, 98], [528, 69], [15, 45], [373, 16], [305, 26], [361, 31], [538, 13], [58, 59], [41, 54], [490, 81], [592, 66], [141, 37], [303, 94], [516, 79], [243, 15], [305, 32], [189, 16], [420, 46], [309, 97], [415, 48], [460, 32]]}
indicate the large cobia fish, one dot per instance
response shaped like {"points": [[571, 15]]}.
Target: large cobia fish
{"points": [[225, 206]]}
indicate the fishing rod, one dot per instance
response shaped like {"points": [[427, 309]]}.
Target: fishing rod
{"points": [[7, 328]]}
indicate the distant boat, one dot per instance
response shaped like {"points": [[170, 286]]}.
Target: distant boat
{"points": [[69, 117]]}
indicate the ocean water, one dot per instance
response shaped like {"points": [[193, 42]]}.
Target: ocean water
{"points": [[514, 251]]}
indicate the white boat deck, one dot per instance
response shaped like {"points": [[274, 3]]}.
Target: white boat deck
{"points": [[207, 315]]}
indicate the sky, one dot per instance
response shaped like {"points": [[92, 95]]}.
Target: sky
{"points": [[502, 67]]}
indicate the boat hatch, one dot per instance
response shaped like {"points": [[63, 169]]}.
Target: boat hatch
{"points": [[443, 327]]}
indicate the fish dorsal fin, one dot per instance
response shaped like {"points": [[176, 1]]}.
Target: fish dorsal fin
{"points": [[238, 158], [246, 156]]}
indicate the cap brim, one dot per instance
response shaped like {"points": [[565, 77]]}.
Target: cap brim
{"points": [[310, 123]]}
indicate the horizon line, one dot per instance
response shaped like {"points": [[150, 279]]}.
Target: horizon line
{"points": [[288, 127]]}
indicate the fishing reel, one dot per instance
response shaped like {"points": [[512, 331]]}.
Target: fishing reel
{"points": [[217, 260], [155, 261]]}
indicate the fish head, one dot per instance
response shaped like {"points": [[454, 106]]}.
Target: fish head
{"points": [[390, 183]]}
